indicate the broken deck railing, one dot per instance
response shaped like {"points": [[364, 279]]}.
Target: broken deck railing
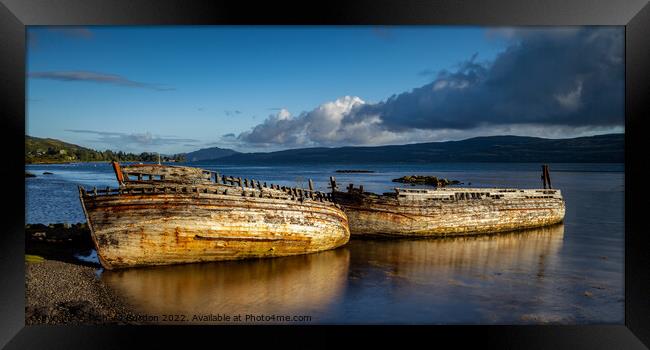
{"points": [[233, 186]]}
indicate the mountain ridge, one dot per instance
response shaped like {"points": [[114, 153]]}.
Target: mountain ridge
{"points": [[606, 148], [210, 153]]}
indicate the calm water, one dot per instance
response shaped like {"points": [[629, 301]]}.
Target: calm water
{"points": [[569, 274]]}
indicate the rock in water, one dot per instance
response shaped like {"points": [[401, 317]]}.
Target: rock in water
{"points": [[426, 180]]}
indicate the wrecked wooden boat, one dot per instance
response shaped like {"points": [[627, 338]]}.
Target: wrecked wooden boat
{"points": [[162, 214], [449, 211]]}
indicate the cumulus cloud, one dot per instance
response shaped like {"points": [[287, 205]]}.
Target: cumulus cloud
{"points": [[321, 126], [564, 82], [102, 78]]}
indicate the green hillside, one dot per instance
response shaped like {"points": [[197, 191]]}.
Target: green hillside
{"points": [[39, 150]]}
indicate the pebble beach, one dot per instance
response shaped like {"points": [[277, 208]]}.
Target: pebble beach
{"points": [[64, 293], [62, 289]]}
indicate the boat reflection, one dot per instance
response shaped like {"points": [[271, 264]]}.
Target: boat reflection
{"points": [[476, 279], [424, 260], [297, 285], [466, 280]]}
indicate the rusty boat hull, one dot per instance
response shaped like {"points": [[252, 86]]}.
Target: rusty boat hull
{"points": [[448, 212], [163, 223]]}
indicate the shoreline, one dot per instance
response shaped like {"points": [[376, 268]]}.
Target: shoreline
{"points": [[64, 293], [63, 289], [94, 161]]}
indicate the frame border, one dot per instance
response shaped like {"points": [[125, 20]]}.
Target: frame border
{"points": [[634, 15]]}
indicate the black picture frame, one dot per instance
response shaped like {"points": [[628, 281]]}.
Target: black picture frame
{"points": [[16, 14]]}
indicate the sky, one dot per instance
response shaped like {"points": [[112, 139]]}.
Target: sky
{"points": [[174, 89]]}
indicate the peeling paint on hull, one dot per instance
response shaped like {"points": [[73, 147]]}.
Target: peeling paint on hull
{"points": [[444, 213], [139, 229]]}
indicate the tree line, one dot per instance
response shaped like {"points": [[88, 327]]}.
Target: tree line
{"points": [[55, 155]]}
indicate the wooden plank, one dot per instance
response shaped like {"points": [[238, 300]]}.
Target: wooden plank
{"points": [[118, 172], [123, 239]]}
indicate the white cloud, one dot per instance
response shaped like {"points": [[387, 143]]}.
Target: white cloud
{"points": [[322, 126], [548, 82]]}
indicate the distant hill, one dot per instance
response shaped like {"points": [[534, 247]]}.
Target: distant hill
{"points": [[40, 150], [209, 153], [593, 149]]}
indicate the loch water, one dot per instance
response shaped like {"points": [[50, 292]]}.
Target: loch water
{"points": [[571, 273]]}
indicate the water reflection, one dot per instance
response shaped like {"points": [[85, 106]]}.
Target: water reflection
{"points": [[299, 285], [368, 281], [420, 260], [504, 278], [562, 274]]}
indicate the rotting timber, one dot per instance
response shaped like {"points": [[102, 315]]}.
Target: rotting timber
{"points": [[449, 211], [162, 215]]}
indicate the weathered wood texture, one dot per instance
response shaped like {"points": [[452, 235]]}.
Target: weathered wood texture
{"points": [[163, 224], [144, 173], [442, 212]]}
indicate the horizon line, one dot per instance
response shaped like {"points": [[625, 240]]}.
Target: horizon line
{"points": [[334, 147]]}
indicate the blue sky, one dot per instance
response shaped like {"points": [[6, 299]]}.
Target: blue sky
{"points": [[175, 89]]}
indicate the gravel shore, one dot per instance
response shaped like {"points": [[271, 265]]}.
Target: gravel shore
{"points": [[63, 293]]}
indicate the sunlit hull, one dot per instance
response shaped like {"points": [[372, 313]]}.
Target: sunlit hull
{"points": [[444, 212], [158, 227]]}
